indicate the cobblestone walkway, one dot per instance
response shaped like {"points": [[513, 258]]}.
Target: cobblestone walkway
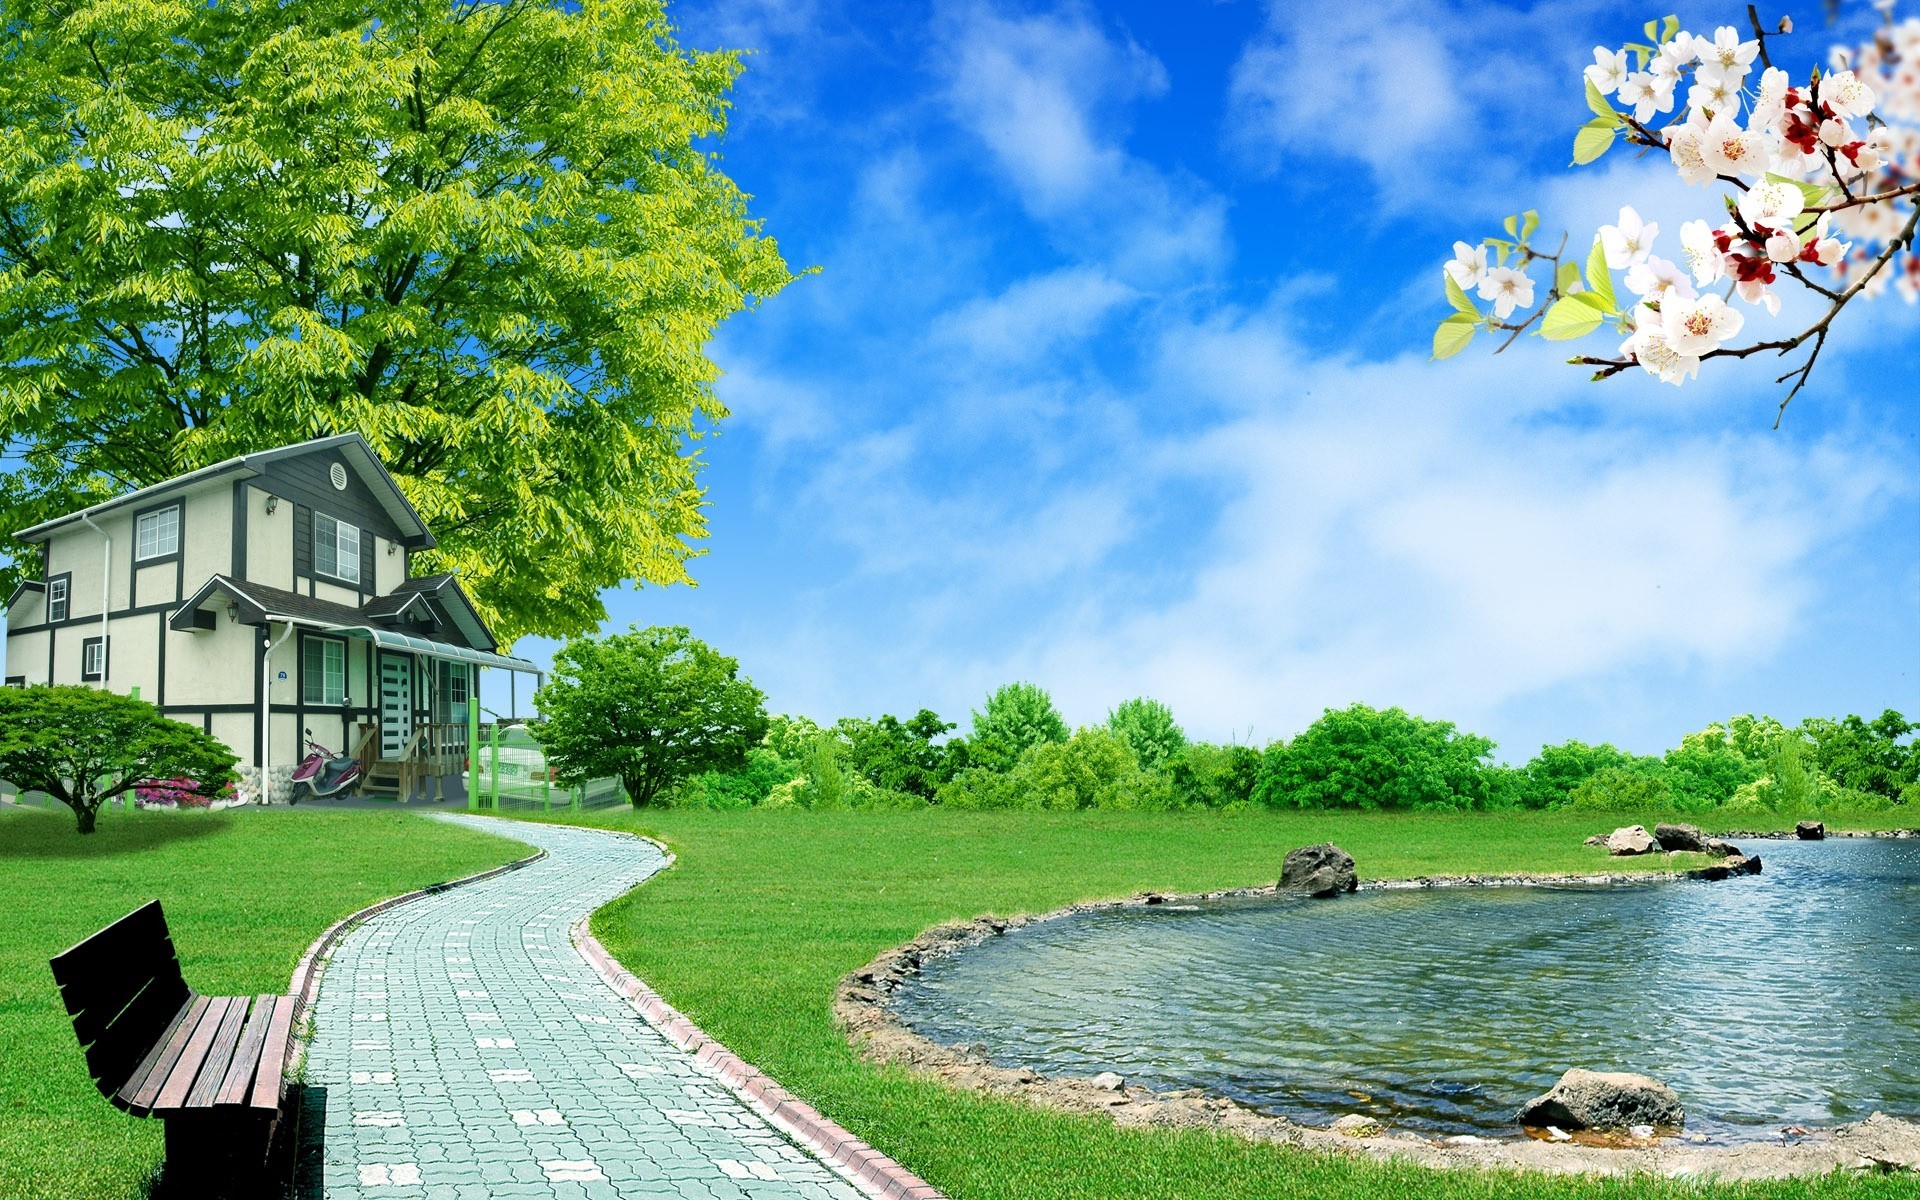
{"points": [[467, 1050]]}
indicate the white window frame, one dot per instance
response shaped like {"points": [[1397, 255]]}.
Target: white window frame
{"points": [[325, 697], [145, 552], [345, 548], [96, 649], [64, 587]]}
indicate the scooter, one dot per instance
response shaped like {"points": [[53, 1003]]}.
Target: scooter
{"points": [[323, 773]]}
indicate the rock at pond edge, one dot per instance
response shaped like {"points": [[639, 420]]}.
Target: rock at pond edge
{"points": [[1810, 831], [1631, 839], [1320, 871], [1679, 837], [1358, 1125], [1612, 1100]]}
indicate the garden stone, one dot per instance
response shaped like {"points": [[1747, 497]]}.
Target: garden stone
{"points": [[1320, 871], [1810, 831], [1358, 1125], [1631, 839], [1605, 1100], [1720, 849], [1109, 1081], [1597, 839], [1679, 837]]}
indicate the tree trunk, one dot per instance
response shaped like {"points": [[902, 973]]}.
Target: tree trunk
{"points": [[85, 817]]}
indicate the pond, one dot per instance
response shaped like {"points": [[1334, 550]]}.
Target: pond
{"points": [[1792, 997]]}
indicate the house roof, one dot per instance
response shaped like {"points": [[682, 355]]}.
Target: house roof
{"points": [[260, 604], [350, 446], [34, 584], [444, 587]]}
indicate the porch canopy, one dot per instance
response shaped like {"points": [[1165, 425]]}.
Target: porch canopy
{"points": [[387, 639]]}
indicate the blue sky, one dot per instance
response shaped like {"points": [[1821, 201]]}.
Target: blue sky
{"points": [[1114, 378]]}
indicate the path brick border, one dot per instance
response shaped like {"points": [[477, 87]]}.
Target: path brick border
{"points": [[865, 1167]]}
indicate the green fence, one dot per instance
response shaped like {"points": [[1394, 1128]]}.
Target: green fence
{"points": [[508, 770]]}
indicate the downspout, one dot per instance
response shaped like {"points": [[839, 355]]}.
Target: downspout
{"points": [[267, 647], [106, 596]]}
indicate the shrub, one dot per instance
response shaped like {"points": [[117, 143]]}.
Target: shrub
{"points": [[900, 756], [178, 792], [1209, 776], [1093, 769], [1148, 727], [1622, 789], [1361, 757], [1550, 777]]}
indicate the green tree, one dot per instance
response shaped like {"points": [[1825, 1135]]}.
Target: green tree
{"points": [[1361, 757], [1708, 767], [1148, 726], [492, 238], [900, 756], [1622, 789], [1018, 716], [1210, 776], [1876, 757], [1550, 777], [650, 707], [84, 746]]}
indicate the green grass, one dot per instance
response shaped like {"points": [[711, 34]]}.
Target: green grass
{"points": [[765, 911], [245, 893]]}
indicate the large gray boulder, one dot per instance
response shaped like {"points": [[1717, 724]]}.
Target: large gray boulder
{"points": [[1631, 839], [1605, 1100], [1679, 837], [1322, 871]]}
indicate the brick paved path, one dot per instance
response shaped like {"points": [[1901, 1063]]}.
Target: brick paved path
{"points": [[466, 1050]]}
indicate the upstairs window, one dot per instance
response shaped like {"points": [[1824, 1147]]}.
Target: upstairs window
{"points": [[336, 548], [57, 606], [157, 534], [323, 671]]}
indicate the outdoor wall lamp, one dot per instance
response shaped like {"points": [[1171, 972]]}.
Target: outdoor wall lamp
{"points": [[273, 502], [233, 613]]}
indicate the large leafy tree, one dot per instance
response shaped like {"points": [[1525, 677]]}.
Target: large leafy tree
{"points": [[491, 237], [1148, 726], [84, 746], [1363, 757], [650, 707], [1017, 717]]}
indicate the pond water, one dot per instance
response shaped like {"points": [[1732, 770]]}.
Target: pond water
{"points": [[1792, 997]]}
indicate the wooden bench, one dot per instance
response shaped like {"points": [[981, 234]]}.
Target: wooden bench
{"points": [[213, 1068]]}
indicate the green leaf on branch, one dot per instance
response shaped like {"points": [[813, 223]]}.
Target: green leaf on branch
{"points": [[1529, 221], [1598, 103], [1567, 279], [1457, 297], [1513, 228], [1505, 248], [1593, 140], [1453, 335], [1668, 28], [1575, 316], [1599, 279]]}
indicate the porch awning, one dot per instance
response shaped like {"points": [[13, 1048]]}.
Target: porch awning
{"points": [[387, 639]]}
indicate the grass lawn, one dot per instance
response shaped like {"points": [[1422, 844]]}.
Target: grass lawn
{"points": [[765, 911], [245, 893]]}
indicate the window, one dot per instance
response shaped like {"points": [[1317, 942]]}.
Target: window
{"points": [[336, 548], [157, 534], [16, 681], [57, 599], [93, 659], [323, 671]]}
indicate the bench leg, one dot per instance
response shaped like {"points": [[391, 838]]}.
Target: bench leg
{"points": [[218, 1155]]}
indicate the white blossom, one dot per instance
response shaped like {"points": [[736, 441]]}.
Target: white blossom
{"points": [[1702, 253], [1772, 204], [1469, 265], [1657, 278], [1756, 291], [1609, 70], [1726, 57], [1697, 326], [1628, 242], [1730, 150], [1648, 93], [1687, 147], [1715, 96], [1649, 347], [1783, 247], [1846, 95], [1508, 288]]}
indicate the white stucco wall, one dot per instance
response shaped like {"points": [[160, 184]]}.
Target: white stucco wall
{"points": [[213, 666], [389, 566], [269, 541], [207, 548], [339, 595], [27, 655], [77, 550]]}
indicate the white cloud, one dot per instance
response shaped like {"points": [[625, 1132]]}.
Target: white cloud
{"points": [[1035, 315]]}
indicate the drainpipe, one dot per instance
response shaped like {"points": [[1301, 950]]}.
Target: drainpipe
{"points": [[267, 647], [106, 596]]}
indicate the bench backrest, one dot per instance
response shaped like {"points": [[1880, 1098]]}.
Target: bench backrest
{"points": [[123, 988]]}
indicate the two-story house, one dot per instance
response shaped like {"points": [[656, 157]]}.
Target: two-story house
{"points": [[258, 598]]}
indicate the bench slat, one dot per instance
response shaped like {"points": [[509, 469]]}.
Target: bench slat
{"points": [[186, 1069], [213, 1069], [246, 1056], [118, 1052], [273, 1055], [153, 1071], [99, 976]]}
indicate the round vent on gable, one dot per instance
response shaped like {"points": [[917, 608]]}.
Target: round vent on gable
{"points": [[338, 474]]}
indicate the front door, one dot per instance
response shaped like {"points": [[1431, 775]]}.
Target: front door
{"points": [[396, 704]]}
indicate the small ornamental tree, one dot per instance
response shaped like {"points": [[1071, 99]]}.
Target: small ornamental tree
{"points": [[650, 707], [1018, 717], [1813, 179], [83, 747]]}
